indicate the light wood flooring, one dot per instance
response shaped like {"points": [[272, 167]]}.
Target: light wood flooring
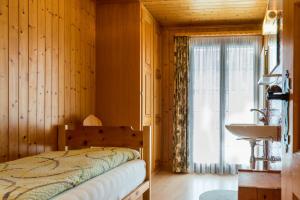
{"points": [[168, 186]]}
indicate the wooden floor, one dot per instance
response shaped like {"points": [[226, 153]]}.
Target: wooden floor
{"points": [[168, 186]]}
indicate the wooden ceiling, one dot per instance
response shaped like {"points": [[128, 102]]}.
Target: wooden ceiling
{"points": [[189, 12]]}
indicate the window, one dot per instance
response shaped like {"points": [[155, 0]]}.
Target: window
{"points": [[223, 89]]}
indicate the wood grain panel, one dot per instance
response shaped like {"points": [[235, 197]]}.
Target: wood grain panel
{"points": [[147, 66], [77, 71], [4, 73], [291, 62], [41, 76], [48, 74], [55, 76], [23, 77], [61, 62], [127, 60], [89, 136], [138, 192], [268, 194], [67, 62], [118, 64], [157, 107], [184, 12], [13, 22], [82, 59], [32, 73], [36, 70], [73, 60], [92, 10], [246, 193], [296, 77]]}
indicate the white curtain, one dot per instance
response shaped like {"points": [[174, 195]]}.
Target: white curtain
{"points": [[223, 89]]}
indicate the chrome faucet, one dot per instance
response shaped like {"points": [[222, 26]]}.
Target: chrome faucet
{"points": [[264, 118]]}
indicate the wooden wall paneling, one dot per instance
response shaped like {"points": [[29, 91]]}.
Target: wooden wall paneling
{"points": [[154, 119], [160, 94], [93, 56], [23, 77], [39, 57], [32, 73], [87, 60], [4, 73], [151, 78], [87, 63], [55, 76], [118, 64], [171, 97], [77, 59], [48, 74], [151, 67], [147, 67], [82, 59], [13, 79], [291, 62], [154, 110], [296, 76], [72, 62], [167, 98], [89, 55], [67, 60], [286, 181], [41, 76], [159, 97], [61, 62], [157, 142], [165, 80]]}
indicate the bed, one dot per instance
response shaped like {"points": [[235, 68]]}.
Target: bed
{"points": [[93, 163]]}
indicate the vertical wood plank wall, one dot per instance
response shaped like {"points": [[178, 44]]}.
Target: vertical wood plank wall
{"points": [[290, 175], [118, 63], [128, 73], [157, 108], [47, 71]]}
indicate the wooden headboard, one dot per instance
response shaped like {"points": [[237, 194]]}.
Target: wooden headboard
{"points": [[78, 136]]}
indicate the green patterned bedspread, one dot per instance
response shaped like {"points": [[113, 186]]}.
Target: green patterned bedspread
{"points": [[45, 175]]}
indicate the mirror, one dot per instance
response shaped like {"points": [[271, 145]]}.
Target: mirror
{"points": [[274, 49]]}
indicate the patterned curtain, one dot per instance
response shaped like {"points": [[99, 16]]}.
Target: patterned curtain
{"points": [[180, 121]]}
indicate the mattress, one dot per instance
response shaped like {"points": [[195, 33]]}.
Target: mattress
{"points": [[112, 185]]}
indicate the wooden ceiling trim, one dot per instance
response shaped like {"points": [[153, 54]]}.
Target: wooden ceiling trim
{"points": [[221, 33], [203, 6], [216, 22], [197, 1], [217, 30], [116, 1]]}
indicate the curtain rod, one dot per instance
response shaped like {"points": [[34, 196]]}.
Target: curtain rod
{"points": [[214, 34]]}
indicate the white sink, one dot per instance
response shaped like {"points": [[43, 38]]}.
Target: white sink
{"points": [[255, 131]]}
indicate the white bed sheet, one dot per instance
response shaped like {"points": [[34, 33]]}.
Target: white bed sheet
{"points": [[112, 185]]}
